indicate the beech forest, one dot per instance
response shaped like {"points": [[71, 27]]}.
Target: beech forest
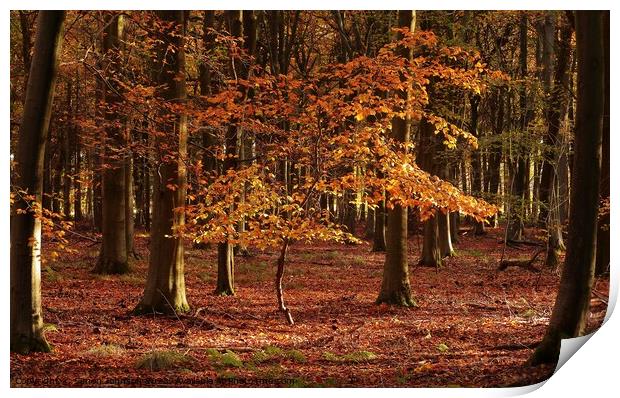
{"points": [[266, 198]]}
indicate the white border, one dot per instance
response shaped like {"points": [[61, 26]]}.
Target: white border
{"points": [[592, 370]]}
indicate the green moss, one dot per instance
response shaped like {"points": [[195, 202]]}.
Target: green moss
{"points": [[272, 352], [51, 275], [296, 356], [227, 360], [105, 350], [298, 382], [161, 360], [357, 356]]}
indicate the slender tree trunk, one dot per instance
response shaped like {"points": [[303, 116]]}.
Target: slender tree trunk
{"points": [[26, 312], [77, 184], [495, 159], [476, 163], [558, 105], [378, 243], [65, 154], [395, 288], [431, 248], [225, 285], [165, 284], [129, 206], [570, 312], [113, 254], [516, 227]]}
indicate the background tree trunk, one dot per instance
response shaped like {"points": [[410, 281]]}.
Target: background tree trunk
{"points": [[476, 163], [225, 254], [558, 105], [521, 172], [378, 242]]}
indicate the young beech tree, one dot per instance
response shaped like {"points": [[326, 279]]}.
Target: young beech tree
{"points": [[323, 127], [165, 284], [570, 312], [26, 312], [395, 287]]}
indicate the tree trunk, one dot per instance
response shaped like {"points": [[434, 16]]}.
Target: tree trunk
{"points": [[26, 313], [129, 206], [113, 254], [602, 236], [225, 255], [476, 163], [65, 154], [558, 102], [165, 284], [521, 173], [445, 238], [558, 105], [431, 255], [378, 242], [395, 287], [455, 221], [570, 312], [495, 158]]}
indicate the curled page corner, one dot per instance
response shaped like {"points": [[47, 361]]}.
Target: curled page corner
{"points": [[569, 347]]}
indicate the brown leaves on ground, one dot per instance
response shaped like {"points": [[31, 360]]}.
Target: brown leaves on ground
{"points": [[474, 326]]}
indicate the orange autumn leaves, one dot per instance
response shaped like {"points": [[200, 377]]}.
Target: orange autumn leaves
{"points": [[333, 130]]}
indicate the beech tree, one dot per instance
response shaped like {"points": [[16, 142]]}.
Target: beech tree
{"points": [[113, 258], [570, 312], [165, 284], [395, 287], [26, 312]]}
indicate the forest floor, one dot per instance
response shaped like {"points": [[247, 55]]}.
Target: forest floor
{"points": [[474, 326]]}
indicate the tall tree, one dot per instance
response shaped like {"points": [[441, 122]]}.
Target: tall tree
{"points": [[602, 240], [26, 312], [431, 255], [378, 242], [225, 285], [521, 170], [165, 284], [476, 158], [570, 312], [395, 288], [113, 255], [558, 105]]}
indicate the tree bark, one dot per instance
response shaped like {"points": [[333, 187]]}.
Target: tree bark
{"points": [[165, 285], [395, 288], [113, 253], [378, 242], [558, 105], [521, 172], [476, 163], [431, 255], [570, 312], [225, 254], [602, 236], [26, 312]]}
